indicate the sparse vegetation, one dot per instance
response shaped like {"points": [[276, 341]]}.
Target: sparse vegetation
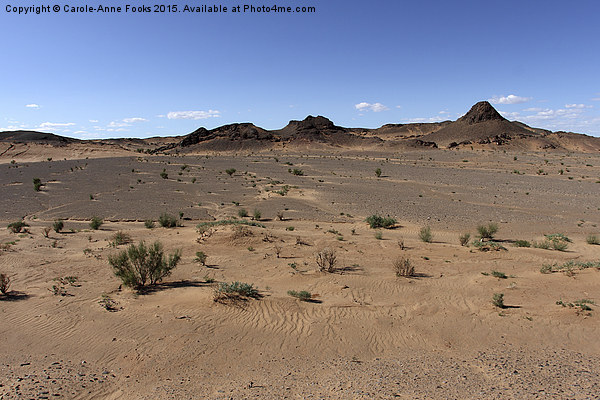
{"points": [[488, 246], [37, 184], [141, 265], [4, 284], [149, 224], [464, 239], [201, 257], [242, 213], [120, 238], [379, 235], [302, 295], [164, 174], [569, 267], [487, 232], [58, 225], [425, 234], [403, 267], [256, 215], [581, 305], [280, 215], [108, 303], [378, 172], [230, 171], [96, 222], [17, 227], [376, 221], [592, 239], [205, 225], [296, 171], [499, 275], [498, 300], [235, 291], [167, 221], [46, 231], [326, 260], [522, 243]]}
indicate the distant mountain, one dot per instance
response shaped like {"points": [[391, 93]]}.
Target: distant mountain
{"points": [[33, 136]]}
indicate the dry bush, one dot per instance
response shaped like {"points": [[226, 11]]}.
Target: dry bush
{"points": [[241, 231], [403, 267], [46, 232], [4, 284], [326, 260], [464, 239]]}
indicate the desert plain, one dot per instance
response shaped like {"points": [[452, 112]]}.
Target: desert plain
{"points": [[366, 333]]}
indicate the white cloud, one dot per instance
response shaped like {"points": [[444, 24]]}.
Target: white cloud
{"points": [[375, 107], [510, 99], [135, 119], [117, 124], [423, 120], [33, 105], [193, 114], [55, 125], [577, 106], [93, 121]]}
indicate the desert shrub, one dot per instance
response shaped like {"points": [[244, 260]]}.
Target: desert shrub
{"points": [[297, 172], [167, 221], [16, 227], [241, 231], [46, 231], [96, 222], [58, 225], [488, 246], [302, 295], [376, 221], [561, 237], [425, 234], [487, 232], [592, 239], [235, 291], [522, 243], [164, 174], [205, 225], [326, 260], [4, 284], [569, 267], [581, 305], [37, 184], [242, 213], [403, 267], [280, 215], [499, 275], [379, 235], [290, 228], [558, 245], [256, 215], [120, 238], [378, 172], [230, 171], [542, 245], [464, 239], [149, 224], [108, 303], [141, 265], [498, 300], [201, 257]]}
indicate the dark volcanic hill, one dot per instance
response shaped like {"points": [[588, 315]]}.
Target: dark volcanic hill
{"points": [[37, 137]]}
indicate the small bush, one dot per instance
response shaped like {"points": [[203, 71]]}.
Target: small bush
{"points": [[522, 243], [46, 231], [326, 260], [58, 225], [4, 284], [96, 222], [558, 237], [149, 224], [164, 174], [280, 215], [499, 275], [378, 172], [592, 239], [242, 213], [108, 303], [498, 300], [37, 184], [425, 234], [376, 221], [302, 295], [167, 221], [256, 215], [230, 171], [569, 267], [464, 239], [403, 267], [488, 246], [542, 245], [201, 257], [16, 227], [297, 172], [379, 235], [235, 291], [141, 265], [487, 232], [120, 238]]}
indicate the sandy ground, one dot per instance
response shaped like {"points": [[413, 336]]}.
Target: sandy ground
{"points": [[370, 334]]}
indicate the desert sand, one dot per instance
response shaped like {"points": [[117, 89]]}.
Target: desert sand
{"points": [[366, 334]]}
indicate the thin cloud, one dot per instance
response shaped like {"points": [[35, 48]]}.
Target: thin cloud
{"points": [[133, 120], [510, 99], [375, 107], [577, 106], [33, 105], [55, 125], [193, 114]]}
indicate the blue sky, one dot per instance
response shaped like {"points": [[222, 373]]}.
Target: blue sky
{"points": [[359, 63]]}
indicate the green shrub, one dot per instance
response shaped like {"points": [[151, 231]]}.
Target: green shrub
{"points": [[201, 257], [558, 237], [569, 267], [164, 174], [498, 300], [379, 235], [16, 227], [149, 224], [96, 222], [376, 221], [167, 221], [499, 275], [378, 172], [425, 234], [522, 243], [297, 172], [488, 246], [235, 291], [256, 215], [4, 284], [302, 295], [141, 265], [242, 213], [403, 267], [592, 239], [487, 232], [37, 184], [230, 171], [464, 239], [120, 238], [58, 225], [542, 245]]}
